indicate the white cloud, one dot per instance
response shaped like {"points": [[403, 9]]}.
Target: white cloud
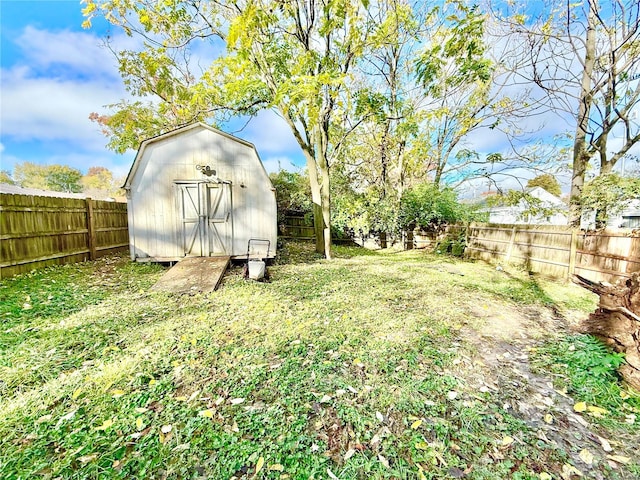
{"points": [[60, 79], [76, 52], [53, 109]]}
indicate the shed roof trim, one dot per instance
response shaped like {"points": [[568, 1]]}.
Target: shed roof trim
{"points": [[177, 131]]}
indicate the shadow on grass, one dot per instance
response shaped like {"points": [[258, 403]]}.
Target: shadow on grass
{"points": [[292, 252]]}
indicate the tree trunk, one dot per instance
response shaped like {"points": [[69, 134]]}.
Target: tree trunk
{"points": [[617, 321], [316, 199], [580, 155]]}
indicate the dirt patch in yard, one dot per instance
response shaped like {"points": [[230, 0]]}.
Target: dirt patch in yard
{"points": [[502, 340]]}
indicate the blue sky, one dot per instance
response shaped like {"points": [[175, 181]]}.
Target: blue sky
{"points": [[54, 74]]}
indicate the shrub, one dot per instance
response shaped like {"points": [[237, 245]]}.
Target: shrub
{"points": [[428, 207]]}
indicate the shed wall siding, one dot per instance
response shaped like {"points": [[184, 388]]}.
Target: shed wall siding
{"points": [[156, 227]]}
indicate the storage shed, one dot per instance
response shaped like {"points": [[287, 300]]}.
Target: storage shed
{"points": [[198, 191]]}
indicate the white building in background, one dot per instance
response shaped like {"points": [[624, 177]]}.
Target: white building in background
{"points": [[627, 218], [519, 214]]}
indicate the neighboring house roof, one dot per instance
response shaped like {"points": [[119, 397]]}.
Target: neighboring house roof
{"points": [[178, 131], [542, 194], [518, 213], [17, 190]]}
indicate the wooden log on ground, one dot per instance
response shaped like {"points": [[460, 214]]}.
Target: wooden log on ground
{"points": [[617, 321]]}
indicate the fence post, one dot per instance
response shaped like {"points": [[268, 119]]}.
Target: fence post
{"points": [[510, 247], [408, 240], [572, 253], [91, 229]]}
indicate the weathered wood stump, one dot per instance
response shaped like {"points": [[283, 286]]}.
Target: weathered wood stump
{"points": [[617, 321]]}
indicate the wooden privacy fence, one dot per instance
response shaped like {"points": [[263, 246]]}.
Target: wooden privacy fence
{"points": [[557, 251], [297, 226], [41, 231]]}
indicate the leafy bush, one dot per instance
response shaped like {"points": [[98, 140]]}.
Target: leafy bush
{"points": [[293, 192], [426, 206]]}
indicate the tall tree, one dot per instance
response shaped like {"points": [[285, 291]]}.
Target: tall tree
{"points": [[293, 57], [31, 175], [585, 59], [62, 178], [99, 183]]}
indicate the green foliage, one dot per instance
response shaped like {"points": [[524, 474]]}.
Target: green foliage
{"points": [[587, 368], [5, 177], [293, 192], [107, 379], [99, 183], [546, 181], [62, 178], [59, 178], [609, 194], [461, 44], [427, 206]]}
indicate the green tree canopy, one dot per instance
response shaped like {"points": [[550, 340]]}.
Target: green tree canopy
{"points": [[59, 178], [546, 181], [428, 206], [608, 195]]}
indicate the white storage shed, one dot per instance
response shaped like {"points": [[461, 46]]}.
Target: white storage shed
{"points": [[198, 191]]}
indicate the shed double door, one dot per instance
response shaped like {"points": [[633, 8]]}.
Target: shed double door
{"points": [[205, 218]]}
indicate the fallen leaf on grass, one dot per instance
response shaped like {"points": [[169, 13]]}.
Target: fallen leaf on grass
{"points": [[117, 393], [380, 417], [580, 407], [596, 411], [106, 424], [569, 470], [166, 429], [619, 458], [44, 418], [415, 425], [139, 423], [237, 401], [332, 475], [276, 467], [208, 413], [383, 460], [76, 393], [350, 453], [586, 456], [545, 476], [506, 441], [137, 435], [88, 458], [606, 446], [259, 465], [548, 418], [421, 473]]}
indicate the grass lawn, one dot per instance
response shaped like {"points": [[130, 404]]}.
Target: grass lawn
{"points": [[374, 365]]}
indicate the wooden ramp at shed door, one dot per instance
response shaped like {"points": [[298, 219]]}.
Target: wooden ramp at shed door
{"points": [[193, 274]]}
